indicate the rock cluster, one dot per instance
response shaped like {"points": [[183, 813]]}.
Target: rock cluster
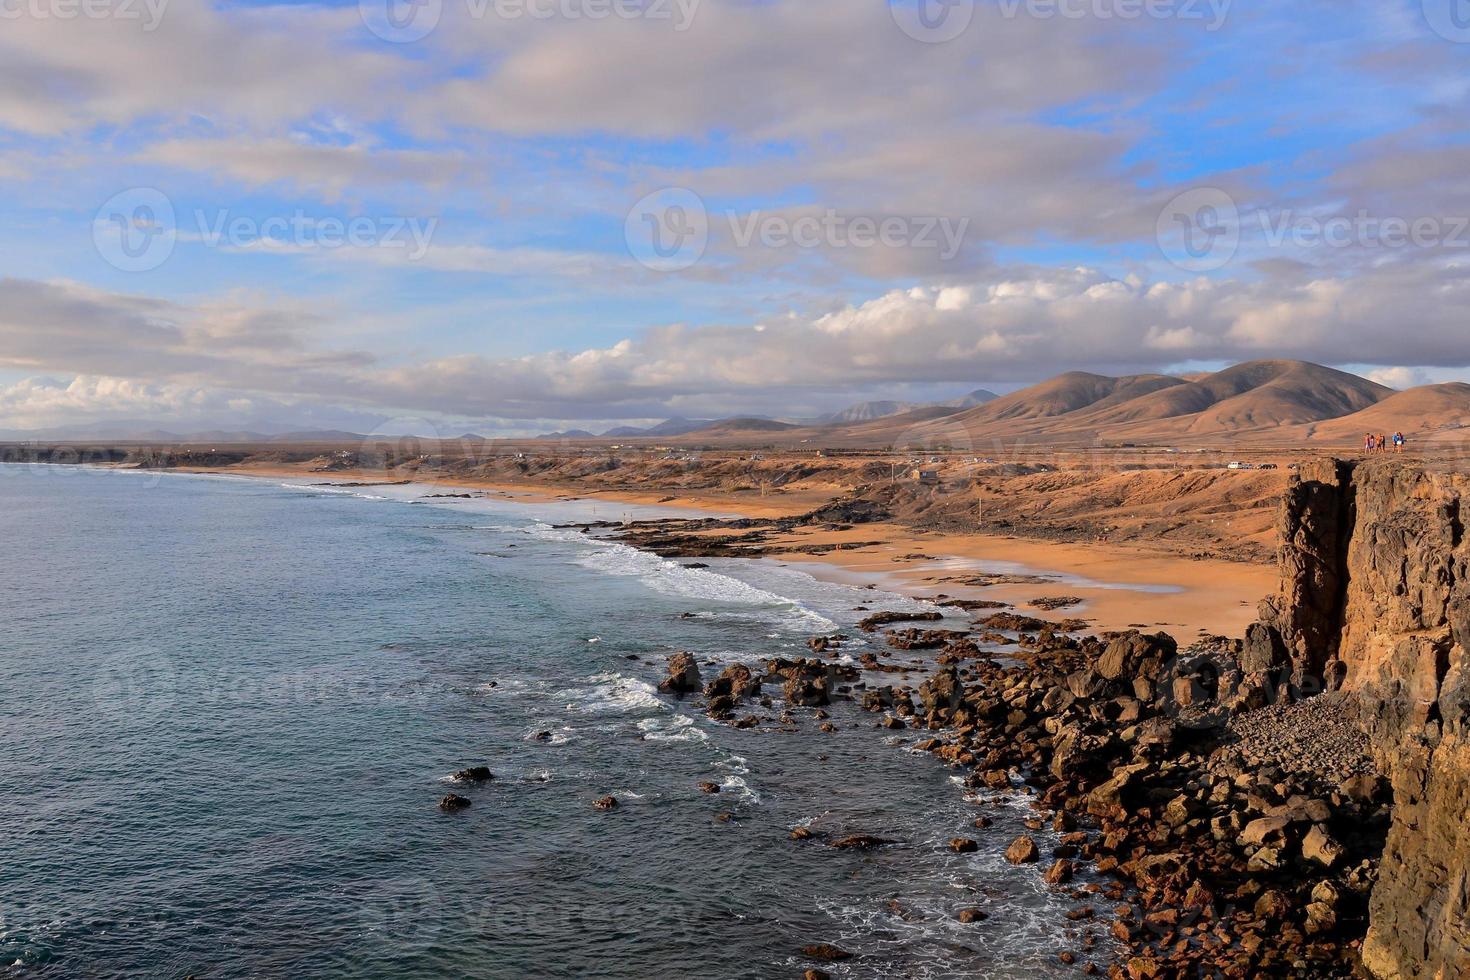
{"points": [[1222, 869]]}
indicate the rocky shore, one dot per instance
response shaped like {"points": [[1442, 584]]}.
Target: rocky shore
{"points": [[1290, 803]]}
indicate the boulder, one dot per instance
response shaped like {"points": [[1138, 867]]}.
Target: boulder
{"points": [[735, 682], [825, 951], [683, 675], [453, 802], [1023, 850], [1263, 650], [860, 842], [1132, 653], [474, 774], [1319, 846], [1059, 873]]}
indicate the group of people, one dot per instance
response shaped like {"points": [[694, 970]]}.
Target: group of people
{"points": [[1380, 443]]}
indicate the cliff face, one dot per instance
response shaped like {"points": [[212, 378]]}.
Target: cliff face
{"points": [[1375, 598]]}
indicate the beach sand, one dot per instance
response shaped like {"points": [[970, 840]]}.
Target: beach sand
{"points": [[1121, 586]]}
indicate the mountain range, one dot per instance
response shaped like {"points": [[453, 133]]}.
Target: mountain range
{"points": [[1257, 403], [1269, 402], [861, 412], [1260, 403]]}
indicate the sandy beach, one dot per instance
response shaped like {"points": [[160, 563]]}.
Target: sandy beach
{"points": [[1121, 586]]}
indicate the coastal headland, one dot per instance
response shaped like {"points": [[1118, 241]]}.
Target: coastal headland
{"points": [[1260, 783]]}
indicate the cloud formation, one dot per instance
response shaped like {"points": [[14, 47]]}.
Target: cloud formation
{"points": [[1056, 142]]}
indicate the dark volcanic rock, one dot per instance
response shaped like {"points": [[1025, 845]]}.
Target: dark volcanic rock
{"points": [[683, 675], [825, 951], [873, 622], [1023, 850], [735, 682], [1375, 597], [474, 774], [860, 842], [452, 802]]}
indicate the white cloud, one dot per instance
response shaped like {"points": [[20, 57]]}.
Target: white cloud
{"points": [[1020, 328]]}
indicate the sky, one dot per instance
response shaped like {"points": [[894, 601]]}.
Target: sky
{"points": [[509, 216]]}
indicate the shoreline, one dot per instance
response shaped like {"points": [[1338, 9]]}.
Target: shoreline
{"points": [[1122, 586], [1010, 741]]}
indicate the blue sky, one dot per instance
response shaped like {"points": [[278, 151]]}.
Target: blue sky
{"points": [[848, 206]]}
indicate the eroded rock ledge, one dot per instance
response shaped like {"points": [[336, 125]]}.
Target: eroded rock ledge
{"points": [[1375, 598]]}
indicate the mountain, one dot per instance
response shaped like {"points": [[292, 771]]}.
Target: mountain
{"points": [[740, 427], [1256, 394], [1255, 402], [1432, 413], [868, 411], [977, 397], [147, 432], [1064, 394], [668, 427], [568, 434]]}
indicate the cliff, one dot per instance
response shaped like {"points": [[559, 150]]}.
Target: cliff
{"points": [[1375, 599]]}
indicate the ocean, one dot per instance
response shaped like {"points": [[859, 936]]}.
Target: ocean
{"points": [[230, 707]]}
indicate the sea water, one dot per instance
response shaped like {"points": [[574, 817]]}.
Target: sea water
{"points": [[229, 707]]}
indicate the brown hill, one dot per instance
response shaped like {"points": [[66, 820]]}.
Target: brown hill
{"points": [[1259, 402], [1256, 393], [1063, 395], [1433, 412]]}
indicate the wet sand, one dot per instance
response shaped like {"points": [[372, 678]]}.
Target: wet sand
{"points": [[1122, 586]]}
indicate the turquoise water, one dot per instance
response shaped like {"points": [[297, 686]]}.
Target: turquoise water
{"points": [[230, 706]]}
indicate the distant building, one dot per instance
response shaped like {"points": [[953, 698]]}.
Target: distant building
{"points": [[925, 476]]}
